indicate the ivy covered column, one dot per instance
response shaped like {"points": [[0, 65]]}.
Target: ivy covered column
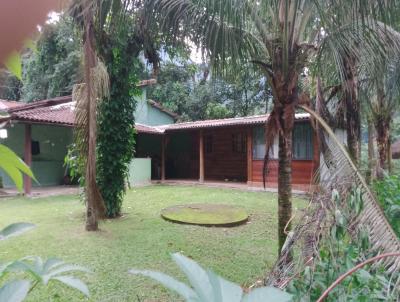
{"points": [[116, 133]]}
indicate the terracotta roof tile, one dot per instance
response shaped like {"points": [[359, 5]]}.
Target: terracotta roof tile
{"points": [[237, 121], [140, 128], [60, 111], [42, 103], [62, 114], [5, 105]]}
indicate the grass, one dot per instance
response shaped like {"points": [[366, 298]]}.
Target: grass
{"points": [[143, 240], [206, 214]]}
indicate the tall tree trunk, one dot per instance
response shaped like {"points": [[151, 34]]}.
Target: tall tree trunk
{"points": [[284, 86], [284, 186], [389, 155], [371, 173], [91, 217], [94, 203], [353, 119], [382, 126]]}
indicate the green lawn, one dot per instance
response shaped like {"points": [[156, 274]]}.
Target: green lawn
{"points": [[141, 239]]}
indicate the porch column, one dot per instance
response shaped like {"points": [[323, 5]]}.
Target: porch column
{"points": [[163, 150], [28, 158], [249, 156], [201, 156]]}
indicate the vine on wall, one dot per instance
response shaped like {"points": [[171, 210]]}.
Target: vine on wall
{"points": [[116, 134]]}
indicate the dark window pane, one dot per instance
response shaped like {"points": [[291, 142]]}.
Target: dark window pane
{"points": [[35, 148], [238, 143], [303, 141]]}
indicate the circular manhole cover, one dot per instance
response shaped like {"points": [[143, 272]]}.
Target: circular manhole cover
{"points": [[205, 214]]}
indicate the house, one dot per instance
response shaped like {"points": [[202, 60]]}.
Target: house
{"points": [[40, 133], [228, 150]]}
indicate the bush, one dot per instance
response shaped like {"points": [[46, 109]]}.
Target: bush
{"points": [[388, 194], [339, 252]]}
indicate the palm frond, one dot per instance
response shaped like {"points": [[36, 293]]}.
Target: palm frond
{"points": [[340, 174]]}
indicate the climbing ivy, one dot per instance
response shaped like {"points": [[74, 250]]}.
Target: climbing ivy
{"points": [[116, 134]]}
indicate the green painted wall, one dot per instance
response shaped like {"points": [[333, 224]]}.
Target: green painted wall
{"points": [[148, 115], [54, 141], [47, 166], [140, 171]]}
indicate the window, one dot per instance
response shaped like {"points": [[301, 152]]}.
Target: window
{"points": [[35, 148], [259, 144], [303, 141], [208, 144], [239, 143]]}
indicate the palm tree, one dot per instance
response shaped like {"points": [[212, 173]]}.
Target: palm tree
{"points": [[384, 92], [86, 96], [282, 38], [114, 32]]}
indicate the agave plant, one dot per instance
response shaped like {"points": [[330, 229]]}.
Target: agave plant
{"points": [[206, 286], [42, 271], [15, 229]]}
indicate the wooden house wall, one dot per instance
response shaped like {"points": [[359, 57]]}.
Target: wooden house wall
{"points": [[222, 162], [303, 171]]}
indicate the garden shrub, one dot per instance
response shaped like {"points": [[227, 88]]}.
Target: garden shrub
{"points": [[340, 251], [388, 194]]}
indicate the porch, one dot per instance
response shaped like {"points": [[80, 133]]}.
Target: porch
{"points": [[229, 155], [298, 189]]}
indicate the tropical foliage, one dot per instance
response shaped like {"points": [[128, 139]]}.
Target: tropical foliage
{"points": [[54, 65], [388, 193], [41, 271], [339, 252], [190, 91], [115, 33], [207, 286], [10, 86], [13, 166], [115, 138]]}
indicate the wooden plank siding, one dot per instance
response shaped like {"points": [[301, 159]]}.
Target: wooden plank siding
{"points": [[303, 171], [222, 162]]}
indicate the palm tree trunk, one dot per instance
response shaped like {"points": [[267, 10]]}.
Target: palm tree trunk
{"points": [[371, 175], [382, 127], [389, 155], [284, 186], [94, 202], [353, 109]]}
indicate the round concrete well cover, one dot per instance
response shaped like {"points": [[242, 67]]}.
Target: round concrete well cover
{"points": [[205, 214]]}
